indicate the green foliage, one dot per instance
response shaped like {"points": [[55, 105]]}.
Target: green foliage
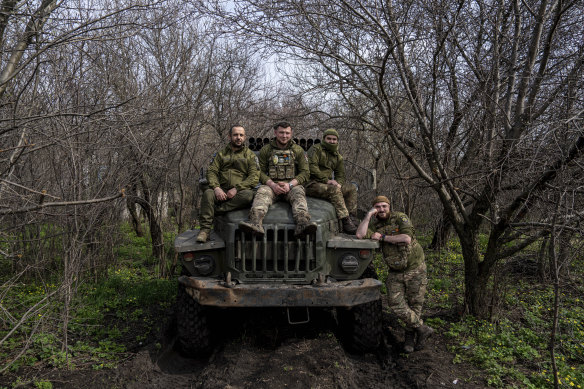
{"points": [[43, 384], [381, 271], [445, 277], [134, 249], [106, 317], [514, 351]]}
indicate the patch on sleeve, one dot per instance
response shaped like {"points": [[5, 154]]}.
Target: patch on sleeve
{"points": [[404, 219], [257, 161]]}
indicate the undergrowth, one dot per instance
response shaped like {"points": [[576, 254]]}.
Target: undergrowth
{"points": [[512, 349], [106, 319]]}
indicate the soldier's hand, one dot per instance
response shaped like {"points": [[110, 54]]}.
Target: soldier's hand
{"points": [[282, 188], [231, 193], [376, 236], [334, 182], [372, 212], [220, 194]]}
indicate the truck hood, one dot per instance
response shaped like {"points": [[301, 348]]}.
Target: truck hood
{"points": [[281, 213]]}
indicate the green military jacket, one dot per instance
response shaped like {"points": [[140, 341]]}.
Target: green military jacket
{"points": [[397, 257], [301, 169], [233, 169], [323, 164]]}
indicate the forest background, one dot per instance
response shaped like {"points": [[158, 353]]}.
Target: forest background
{"points": [[470, 112]]}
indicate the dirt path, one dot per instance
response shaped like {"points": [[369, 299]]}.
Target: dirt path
{"points": [[260, 352]]}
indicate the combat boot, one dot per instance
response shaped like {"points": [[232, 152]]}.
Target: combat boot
{"points": [[254, 225], [423, 332], [348, 226], [304, 226], [203, 235], [409, 341]]}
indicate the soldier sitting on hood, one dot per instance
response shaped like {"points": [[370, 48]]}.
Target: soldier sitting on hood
{"points": [[232, 176], [324, 161], [283, 171]]}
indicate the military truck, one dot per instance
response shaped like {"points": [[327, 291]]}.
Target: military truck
{"points": [[235, 270]]}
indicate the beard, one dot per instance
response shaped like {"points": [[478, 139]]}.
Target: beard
{"points": [[385, 217], [235, 145]]}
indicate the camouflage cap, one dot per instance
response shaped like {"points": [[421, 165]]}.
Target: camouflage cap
{"points": [[380, 199], [330, 131]]}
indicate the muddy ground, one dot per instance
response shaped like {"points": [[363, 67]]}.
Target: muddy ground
{"points": [[260, 350]]}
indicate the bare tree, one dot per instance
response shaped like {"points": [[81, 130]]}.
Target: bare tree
{"points": [[470, 94]]}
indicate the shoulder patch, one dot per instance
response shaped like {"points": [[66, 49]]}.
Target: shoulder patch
{"points": [[404, 219]]}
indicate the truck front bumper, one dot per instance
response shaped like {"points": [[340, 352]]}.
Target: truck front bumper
{"points": [[326, 294]]}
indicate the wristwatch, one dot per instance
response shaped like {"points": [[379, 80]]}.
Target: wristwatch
{"points": [[290, 185]]}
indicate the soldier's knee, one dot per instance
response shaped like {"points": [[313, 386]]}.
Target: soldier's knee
{"points": [[208, 196], [246, 195], [264, 191], [297, 191], [333, 190], [349, 189]]}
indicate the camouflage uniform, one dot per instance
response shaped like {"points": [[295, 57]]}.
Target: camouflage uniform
{"points": [[323, 163], [406, 281], [298, 170], [230, 169]]}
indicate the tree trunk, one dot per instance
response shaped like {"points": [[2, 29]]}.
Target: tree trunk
{"points": [[155, 229], [131, 205], [476, 293], [441, 233]]}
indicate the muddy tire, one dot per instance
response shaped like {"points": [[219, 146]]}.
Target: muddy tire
{"points": [[360, 327], [194, 334]]}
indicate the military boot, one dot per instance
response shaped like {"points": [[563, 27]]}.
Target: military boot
{"points": [[423, 332], [304, 226], [203, 235], [409, 341], [348, 226], [254, 224]]}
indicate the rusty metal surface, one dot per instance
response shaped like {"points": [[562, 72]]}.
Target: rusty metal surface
{"points": [[187, 241], [221, 294], [351, 242]]}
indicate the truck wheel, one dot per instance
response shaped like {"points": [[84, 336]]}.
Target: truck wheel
{"points": [[194, 334], [361, 326]]}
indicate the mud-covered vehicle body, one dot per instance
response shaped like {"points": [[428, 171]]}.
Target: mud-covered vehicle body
{"points": [[234, 270]]}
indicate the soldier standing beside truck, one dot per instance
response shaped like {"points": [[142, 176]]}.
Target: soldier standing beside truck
{"points": [[232, 175], [283, 171], [406, 281], [325, 161]]}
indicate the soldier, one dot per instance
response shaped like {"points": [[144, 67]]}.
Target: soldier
{"points": [[324, 160], [402, 254], [232, 176], [283, 171]]}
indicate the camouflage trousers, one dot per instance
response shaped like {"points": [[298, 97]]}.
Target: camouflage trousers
{"points": [[265, 197], [343, 199], [405, 291], [211, 206]]}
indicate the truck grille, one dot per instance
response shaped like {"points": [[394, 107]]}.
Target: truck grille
{"points": [[277, 256]]}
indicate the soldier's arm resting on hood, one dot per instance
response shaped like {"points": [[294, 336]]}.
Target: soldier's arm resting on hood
{"points": [[363, 230]]}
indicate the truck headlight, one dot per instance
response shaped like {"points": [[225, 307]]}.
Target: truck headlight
{"points": [[349, 263], [204, 264]]}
